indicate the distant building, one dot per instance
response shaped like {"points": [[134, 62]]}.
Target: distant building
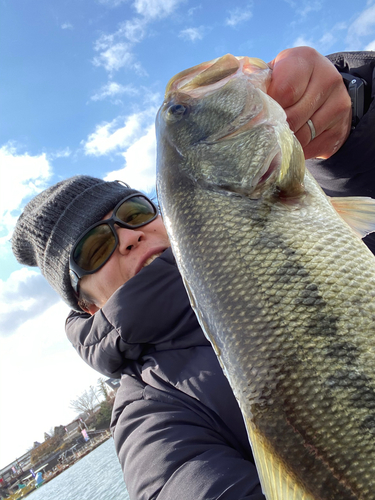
{"points": [[113, 384], [72, 430], [18, 467]]}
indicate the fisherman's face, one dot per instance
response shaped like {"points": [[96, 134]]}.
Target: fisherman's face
{"points": [[137, 248]]}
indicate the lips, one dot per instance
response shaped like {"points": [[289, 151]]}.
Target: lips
{"points": [[149, 257]]}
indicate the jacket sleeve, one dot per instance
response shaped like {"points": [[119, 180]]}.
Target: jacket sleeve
{"points": [[170, 450], [359, 64]]}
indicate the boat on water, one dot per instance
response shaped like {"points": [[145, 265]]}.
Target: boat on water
{"points": [[23, 491]]}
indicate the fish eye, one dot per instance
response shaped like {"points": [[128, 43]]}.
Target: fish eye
{"points": [[176, 112]]}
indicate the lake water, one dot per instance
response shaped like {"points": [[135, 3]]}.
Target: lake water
{"points": [[97, 476]]}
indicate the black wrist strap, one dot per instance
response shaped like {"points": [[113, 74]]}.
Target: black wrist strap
{"points": [[356, 90]]}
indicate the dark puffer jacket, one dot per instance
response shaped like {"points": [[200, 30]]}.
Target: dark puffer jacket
{"points": [[177, 427]]}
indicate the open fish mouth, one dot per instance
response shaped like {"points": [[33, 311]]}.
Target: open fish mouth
{"points": [[208, 77]]}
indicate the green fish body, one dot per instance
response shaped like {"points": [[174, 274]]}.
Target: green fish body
{"points": [[281, 285]]}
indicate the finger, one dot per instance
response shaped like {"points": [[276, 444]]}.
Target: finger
{"points": [[319, 96], [335, 118], [325, 145], [285, 88]]}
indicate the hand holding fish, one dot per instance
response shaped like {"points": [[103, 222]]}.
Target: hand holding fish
{"points": [[308, 87]]}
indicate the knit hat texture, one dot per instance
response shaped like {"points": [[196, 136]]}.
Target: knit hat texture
{"points": [[52, 222]]}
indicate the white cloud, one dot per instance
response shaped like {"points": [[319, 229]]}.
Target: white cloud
{"points": [[155, 8], [62, 153], [370, 46], [120, 133], [116, 49], [238, 16], [110, 136], [322, 45], [326, 41], [301, 41], [104, 41], [362, 26], [113, 57], [112, 3], [134, 30], [22, 176], [21, 296], [67, 26], [304, 7], [113, 89], [140, 163], [192, 34], [192, 10]]}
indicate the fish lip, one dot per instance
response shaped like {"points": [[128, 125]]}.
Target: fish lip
{"points": [[147, 255], [271, 166]]}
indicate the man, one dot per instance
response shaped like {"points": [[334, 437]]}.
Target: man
{"points": [[177, 428]]}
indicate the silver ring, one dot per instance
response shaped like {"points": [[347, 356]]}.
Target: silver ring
{"points": [[312, 129]]}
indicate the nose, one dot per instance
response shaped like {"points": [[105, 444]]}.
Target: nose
{"points": [[128, 239]]}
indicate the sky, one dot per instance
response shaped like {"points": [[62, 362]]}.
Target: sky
{"points": [[80, 85]]}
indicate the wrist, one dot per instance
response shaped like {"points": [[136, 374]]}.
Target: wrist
{"points": [[356, 90]]}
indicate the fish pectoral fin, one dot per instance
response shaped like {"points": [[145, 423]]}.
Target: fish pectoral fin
{"points": [[358, 212], [276, 482]]}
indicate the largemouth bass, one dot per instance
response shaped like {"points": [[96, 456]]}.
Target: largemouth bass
{"points": [[281, 285]]}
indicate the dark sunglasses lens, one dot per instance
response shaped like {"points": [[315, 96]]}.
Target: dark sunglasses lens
{"points": [[94, 248], [136, 211]]}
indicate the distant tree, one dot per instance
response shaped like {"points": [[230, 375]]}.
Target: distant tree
{"points": [[96, 393], [103, 418], [86, 402], [103, 388], [45, 449]]}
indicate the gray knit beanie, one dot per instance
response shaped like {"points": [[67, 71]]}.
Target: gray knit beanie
{"points": [[52, 222]]}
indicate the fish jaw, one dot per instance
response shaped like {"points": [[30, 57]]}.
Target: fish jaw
{"points": [[211, 75], [222, 102]]}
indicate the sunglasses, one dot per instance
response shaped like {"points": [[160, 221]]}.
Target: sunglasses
{"points": [[96, 245]]}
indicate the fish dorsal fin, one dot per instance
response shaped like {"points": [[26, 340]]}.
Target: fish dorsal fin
{"points": [[276, 482], [358, 212]]}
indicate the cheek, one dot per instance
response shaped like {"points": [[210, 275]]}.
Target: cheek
{"points": [[157, 226]]}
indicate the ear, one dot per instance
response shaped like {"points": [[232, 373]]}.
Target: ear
{"points": [[89, 308]]}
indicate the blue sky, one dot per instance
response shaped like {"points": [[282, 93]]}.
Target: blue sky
{"points": [[80, 85]]}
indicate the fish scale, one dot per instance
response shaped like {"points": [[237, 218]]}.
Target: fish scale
{"points": [[268, 324], [285, 293]]}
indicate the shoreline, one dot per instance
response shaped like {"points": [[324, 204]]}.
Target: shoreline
{"points": [[59, 469]]}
